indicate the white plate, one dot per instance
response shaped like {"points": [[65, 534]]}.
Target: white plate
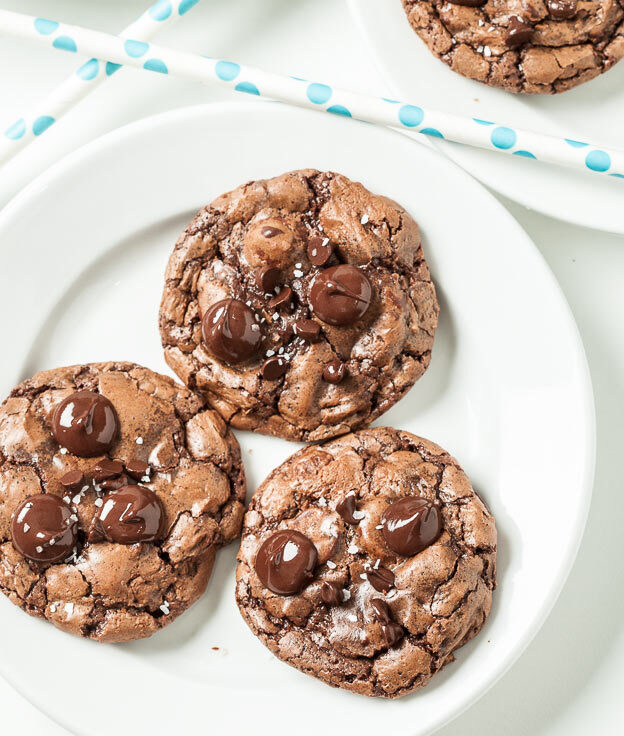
{"points": [[508, 392], [593, 112]]}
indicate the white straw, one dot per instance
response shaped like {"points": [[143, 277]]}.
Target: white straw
{"points": [[85, 79], [507, 139]]}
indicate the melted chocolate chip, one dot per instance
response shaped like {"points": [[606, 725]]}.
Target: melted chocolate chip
{"points": [[112, 484], [106, 469], [380, 611], [73, 480], [282, 300], [340, 295], [561, 9], [410, 525], [468, 3], [285, 562], [230, 331], [381, 579], [346, 508], [273, 368], [128, 515], [518, 32], [319, 251], [270, 232], [44, 528], [267, 278], [334, 371], [393, 633], [137, 469], [307, 329], [85, 423], [331, 593]]}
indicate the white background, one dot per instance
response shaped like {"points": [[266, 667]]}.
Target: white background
{"points": [[569, 681]]}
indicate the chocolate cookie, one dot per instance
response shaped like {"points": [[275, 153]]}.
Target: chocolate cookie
{"points": [[117, 486], [532, 46], [367, 561], [300, 306]]}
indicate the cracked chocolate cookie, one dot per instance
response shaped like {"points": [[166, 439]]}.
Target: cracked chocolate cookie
{"points": [[300, 306], [117, 486], [367, 561], [531, 46]]}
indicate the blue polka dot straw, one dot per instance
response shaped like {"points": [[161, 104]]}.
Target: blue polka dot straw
{"points": [[315, 95], [90, 74]]}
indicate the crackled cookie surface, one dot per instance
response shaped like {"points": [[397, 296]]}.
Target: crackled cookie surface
{"points": [[300, 306], [117, 486], [367, 561], [532, 46]]}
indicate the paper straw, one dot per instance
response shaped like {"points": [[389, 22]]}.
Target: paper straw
{"points": [[86, 78], [485, 134]]}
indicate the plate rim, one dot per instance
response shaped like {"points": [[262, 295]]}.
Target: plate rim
{"points": [[208, 110], [446, 147]]}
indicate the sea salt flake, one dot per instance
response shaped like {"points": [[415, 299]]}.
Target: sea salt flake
{"points": [[353, 549], [297, 273], [364, 219], [270, 353], [331, 565], [98, 502], [145, 479], [359, 515], [39, 549], [139, 440], [63, 451], [487, 51], [26, 528], [346, 594], [352, 617], [52, 607], [52, 542], [322, 502], [69, 608], [77, 498], [165, 608], [379, 526], [40, 535]]}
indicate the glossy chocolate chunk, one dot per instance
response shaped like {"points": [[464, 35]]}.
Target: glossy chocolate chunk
{"points": [[85, 423], [308, 330], [334, 371], [518, 32], [274, 368], [319, 251], [128, 515], [44, 528], [106, 469], [381, 579], [281, 300], [267, 278], [331, 593], [137, 469], [347, 508], [410, 525], [73, 480], [230, 331], [340, 295], [285, 562], [562, 9]]}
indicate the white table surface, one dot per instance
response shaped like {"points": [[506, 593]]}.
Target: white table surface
{"points": [[569, 681]]}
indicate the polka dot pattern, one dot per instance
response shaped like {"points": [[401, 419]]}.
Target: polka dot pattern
{"points": [[42, 123], [136, 49], [156, 65], [524, 154], [16, 131], [89, 70], [411, 116], [227, 70], [598, 161], [339, 110], [504, 138], [433, 132], [65, 43], [111, 68], [45, 27], [186, 5], [161, 10], [248, 87], [319, 94]]}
